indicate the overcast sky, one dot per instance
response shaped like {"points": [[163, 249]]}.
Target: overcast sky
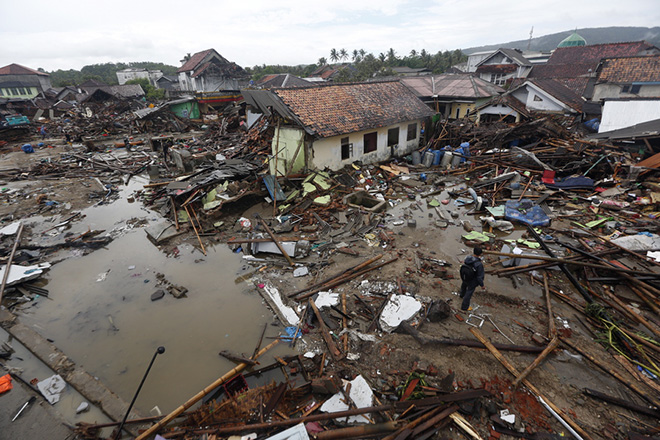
{"points": [[69, 34]]}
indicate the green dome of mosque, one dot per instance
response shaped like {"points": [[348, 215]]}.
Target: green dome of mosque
{"points": [[573, 40]]}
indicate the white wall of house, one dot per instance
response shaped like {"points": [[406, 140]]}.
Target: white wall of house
{"points": [[326, 152], [535, 99], [621, 114], [614, 91], [499, 110], [476, 58], [206, 83]]}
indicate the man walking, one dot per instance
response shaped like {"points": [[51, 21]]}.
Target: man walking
{"points": [[472, 275]]}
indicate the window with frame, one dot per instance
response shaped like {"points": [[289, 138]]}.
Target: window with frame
{"points": [[393, 137], [412, 132], [1, 93], [497, 79], [370, 142], [14, 91], [346, 149], [458, 113], [631, 88]]}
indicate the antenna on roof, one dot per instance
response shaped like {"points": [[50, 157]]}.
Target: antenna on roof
{"points": [[529, 42]]}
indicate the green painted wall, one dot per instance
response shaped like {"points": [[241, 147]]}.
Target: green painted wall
{"points": [[291, 142], [18, 92], [186, 110]]}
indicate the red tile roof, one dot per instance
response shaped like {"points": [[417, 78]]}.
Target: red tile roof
{"points": [[17, 69], [631, 69], [332, 110], [596, 52]]}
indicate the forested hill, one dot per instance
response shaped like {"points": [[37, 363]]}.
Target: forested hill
{"points": [[614, 34]]}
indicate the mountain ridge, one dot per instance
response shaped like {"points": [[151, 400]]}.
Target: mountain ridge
{"points": [[611, 34]]}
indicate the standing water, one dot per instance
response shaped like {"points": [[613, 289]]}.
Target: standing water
{"points": [[99, 311]]}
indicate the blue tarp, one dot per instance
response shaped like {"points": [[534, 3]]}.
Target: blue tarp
{"points": [[572, 183], [525, 211]]}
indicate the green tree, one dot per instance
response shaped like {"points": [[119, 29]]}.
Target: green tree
{"points": [[150, 92], [334, 55], [343, 54], [322, 62]]}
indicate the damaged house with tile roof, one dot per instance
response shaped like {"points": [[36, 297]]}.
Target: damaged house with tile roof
{"points": [[575, 67], [331, 126], [534, 96], [454, 96], [208, 71], [628, 89], [503, 65]]}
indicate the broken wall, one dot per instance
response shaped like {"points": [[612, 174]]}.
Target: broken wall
{"points": [[288, 144]]}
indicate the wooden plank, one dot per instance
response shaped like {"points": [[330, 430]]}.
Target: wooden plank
{"points": [[334, 351]]}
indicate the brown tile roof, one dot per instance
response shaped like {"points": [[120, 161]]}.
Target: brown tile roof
{"points": [[197, 58], [572, 70], [332, 110], [576, 85], [596, 52], [631, 69], [17, 69]]}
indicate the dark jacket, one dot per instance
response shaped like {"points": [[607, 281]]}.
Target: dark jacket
{"points": [[476, 263]]}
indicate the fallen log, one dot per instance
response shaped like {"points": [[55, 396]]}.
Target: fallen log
{"points": [[424, 340], [622, 403]]}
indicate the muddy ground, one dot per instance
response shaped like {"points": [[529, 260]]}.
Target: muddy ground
{"points": [[387, 363]]}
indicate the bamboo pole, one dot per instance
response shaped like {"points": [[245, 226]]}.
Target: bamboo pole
{"points": [[577, 431], [277, 242], [361, 431], [551, 346], [192, 222], [334, 350], [334, 277], [552, 329], [176, 217], [573, 262], [11, 258], [345, 278], [197, 397]]}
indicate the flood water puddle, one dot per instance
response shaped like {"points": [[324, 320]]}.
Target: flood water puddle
{"points": [[99, 311]]}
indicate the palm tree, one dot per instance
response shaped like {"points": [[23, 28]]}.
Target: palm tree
{"points": [[334, 56], [322, 61], [381, 57], [356, 55], [362, 53], [343, 54], [413, 53], [391, 56]]}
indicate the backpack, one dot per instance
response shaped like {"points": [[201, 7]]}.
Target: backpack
{"points": [[467, 272]]}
